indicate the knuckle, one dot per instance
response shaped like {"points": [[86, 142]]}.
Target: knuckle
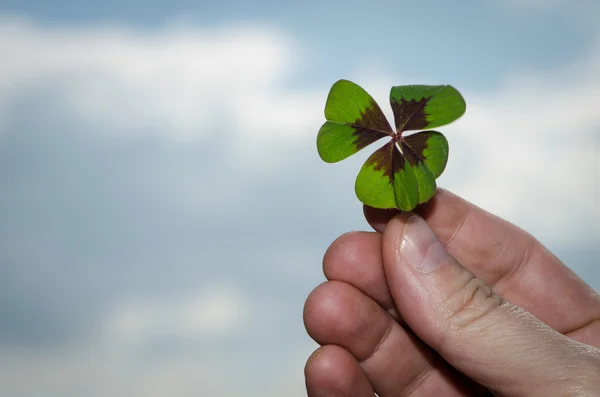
{"points": [[472, 303]]}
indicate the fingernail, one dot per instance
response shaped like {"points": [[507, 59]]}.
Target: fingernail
{"points": [[420, 248]]}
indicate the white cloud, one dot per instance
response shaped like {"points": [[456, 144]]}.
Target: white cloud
{"points": [[126, 358], [97, 373], [527, 152], [213, 313], [184, 82]]}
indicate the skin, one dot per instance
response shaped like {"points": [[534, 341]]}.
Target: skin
{"points": [[500, 315]]}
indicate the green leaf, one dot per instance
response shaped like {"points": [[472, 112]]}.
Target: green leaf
{"points": [[387, 180], [431, 147], [354, 121], [419, 107], [425, 179]]}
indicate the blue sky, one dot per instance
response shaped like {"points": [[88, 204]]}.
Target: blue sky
{"points": [[165, 212]]}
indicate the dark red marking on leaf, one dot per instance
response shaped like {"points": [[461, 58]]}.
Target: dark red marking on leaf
{"points": [[417, 143], [410, 115], [364, 137], [374, 119], [388, 158], [397, 162], [410, 155], [370, 126]]}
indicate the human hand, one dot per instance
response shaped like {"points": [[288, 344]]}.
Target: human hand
{"points": [[500, 314]]}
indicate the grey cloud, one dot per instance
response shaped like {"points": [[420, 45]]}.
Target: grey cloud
{"points": [[89, 220]]}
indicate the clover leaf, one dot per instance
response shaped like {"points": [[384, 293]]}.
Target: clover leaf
{"points": [[402, 173]]}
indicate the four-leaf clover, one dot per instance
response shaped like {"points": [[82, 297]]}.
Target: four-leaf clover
{"points": [[402, 173]]}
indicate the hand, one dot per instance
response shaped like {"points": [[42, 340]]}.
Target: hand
{"points": [[454, 302]]}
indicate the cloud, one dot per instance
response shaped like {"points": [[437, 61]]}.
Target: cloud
{"points": [[165, 211], [528, 152], [213, 313], [97, 373], [127, 158], [179, 81], [224, 86]]}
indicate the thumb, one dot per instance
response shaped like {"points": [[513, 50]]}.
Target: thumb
{"points": [[489, 339]]}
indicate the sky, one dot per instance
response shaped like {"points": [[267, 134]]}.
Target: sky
{"points": [[164, 210]]}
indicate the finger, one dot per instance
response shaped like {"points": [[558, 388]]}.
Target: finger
{"points": [[394, 361], [378, 218], [355, 258], [512, 262], [473, 328], [332, 371]]}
